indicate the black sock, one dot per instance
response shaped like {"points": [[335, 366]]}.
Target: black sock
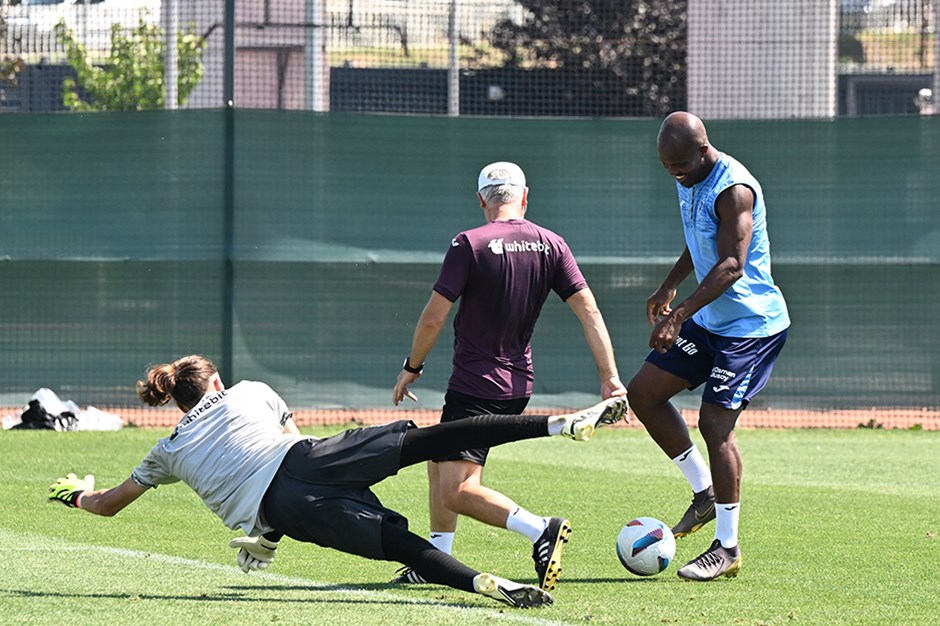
{"points": [[433, 565]]}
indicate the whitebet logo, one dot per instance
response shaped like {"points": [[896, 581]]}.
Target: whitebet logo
{"points": [[497, 246], [195, 412]]}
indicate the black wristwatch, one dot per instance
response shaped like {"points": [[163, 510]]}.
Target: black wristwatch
{"points": [[412, 370]]}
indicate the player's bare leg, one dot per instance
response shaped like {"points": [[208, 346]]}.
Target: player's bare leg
{"points": [[456, 484], [442, 519], [717, 426], [461, 493], [419, 555], [650, 393], [723, 557], [454, 488]]}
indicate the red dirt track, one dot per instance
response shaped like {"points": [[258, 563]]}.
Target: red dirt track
{"points": [[927, 419]]}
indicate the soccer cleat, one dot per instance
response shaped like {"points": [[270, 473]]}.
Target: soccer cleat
{"points": [[407, 576], [513, 594], [699, 513], [714, 562], [546, 552], [580, 426]]}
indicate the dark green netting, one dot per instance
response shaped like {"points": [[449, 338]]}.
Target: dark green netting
{"points": [[112, 231]]}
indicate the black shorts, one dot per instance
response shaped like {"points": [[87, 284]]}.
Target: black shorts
{"points": [[459, 405], [321, 493]]}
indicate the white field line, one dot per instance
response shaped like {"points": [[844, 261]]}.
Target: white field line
{"points": [[6, 545]]}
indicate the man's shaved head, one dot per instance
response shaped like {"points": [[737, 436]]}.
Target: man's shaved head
{"points": [[681, 131], [684, 148]]}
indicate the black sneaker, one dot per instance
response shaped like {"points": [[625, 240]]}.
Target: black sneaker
{"points": [[714, 562], [513, 594], [547, 552], [407, 576], [699, 513]]}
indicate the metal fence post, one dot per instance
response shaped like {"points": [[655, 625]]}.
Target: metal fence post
{"points": [[228, 194], [171, 69], [453, 66]]}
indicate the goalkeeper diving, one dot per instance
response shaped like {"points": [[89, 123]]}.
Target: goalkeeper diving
{"points": [[239, 449]]}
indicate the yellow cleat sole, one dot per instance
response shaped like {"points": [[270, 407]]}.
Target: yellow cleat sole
{"points": [[553, 573]]}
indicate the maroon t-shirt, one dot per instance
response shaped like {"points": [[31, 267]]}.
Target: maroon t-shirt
{"points": [[502, 272]]}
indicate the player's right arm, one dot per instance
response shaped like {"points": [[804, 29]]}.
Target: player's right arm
{"points": [[449, 286], [427, 330], [657, 305], [79, 493]]}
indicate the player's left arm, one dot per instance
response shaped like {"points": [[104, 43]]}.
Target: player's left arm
{"points": [[584, 305], [734, 207], [80, 493]]}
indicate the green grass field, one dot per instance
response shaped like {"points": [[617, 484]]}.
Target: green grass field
{"points": [[838, 527]]}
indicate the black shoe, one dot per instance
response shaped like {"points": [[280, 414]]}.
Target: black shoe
{"points": [[547, 552], [714, 562], [407, 576], [699, 513]]}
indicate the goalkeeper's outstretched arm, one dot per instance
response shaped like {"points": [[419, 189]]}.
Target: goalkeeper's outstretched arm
{"points": [[79, 493]]}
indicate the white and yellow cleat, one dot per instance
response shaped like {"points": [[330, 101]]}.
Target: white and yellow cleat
{"points": [[511, 593], [580, 426], [715, 562]]}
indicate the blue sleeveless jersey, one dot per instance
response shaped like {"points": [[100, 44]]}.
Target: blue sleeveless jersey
{"points": [[753, 306]]}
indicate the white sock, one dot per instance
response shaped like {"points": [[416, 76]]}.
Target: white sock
{"points": [[555, 424], [525, 523], [694, 468], [726, 523], [442, 541]]}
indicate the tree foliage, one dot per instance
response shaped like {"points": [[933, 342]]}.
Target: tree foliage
{"points": [[132, 79], [611, 49], [10, 66]]}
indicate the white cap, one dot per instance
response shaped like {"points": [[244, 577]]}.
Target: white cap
{"points": [[512, 175]]}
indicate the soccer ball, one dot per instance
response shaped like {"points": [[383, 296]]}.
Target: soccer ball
{"points": [[646, 546]]}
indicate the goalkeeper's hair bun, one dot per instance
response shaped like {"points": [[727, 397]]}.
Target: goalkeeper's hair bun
{"points": [[184, 380], [157, 390]]}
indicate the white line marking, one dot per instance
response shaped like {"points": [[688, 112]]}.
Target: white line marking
{"points": [[57, 545]]}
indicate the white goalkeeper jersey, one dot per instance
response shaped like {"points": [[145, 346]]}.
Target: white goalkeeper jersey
{"points": [[227, 449]]}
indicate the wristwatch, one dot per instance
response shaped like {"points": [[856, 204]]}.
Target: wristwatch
{"points": [[412, 370]]}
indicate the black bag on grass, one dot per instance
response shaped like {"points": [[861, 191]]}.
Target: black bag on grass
{"points": [[36, 417]]}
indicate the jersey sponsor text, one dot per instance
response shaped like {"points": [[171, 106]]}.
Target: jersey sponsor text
{"points": [[498, 246]]}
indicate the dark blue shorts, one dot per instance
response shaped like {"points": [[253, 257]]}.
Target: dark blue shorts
{"points": [[733, 369], [459, 405]]}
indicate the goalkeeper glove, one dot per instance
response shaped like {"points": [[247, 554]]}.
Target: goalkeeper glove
{"points": [[68, 490], [255, 553]]}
